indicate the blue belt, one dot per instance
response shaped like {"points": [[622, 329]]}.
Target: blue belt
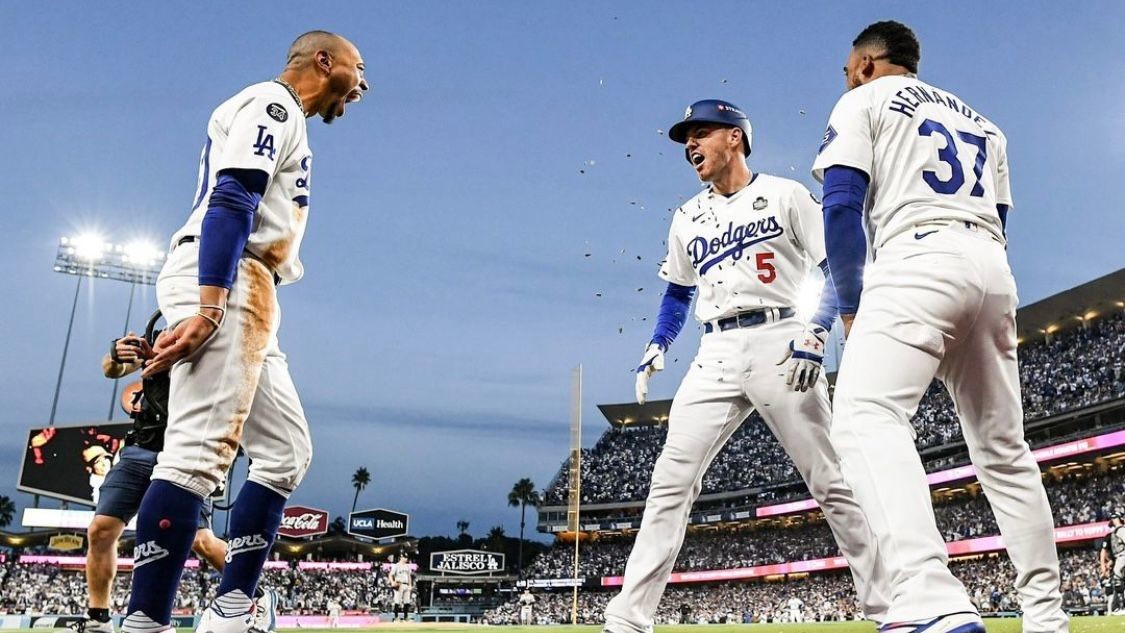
{"points": [[747, 319]]}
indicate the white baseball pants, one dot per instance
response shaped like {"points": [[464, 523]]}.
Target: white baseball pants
{"points": [[943, 305], [234, 390], [735, 372]]}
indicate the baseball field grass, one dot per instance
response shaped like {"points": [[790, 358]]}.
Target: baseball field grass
{"points": [[1115, 624], [1008, 625]]}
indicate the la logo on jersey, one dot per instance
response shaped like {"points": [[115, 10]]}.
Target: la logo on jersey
{"points": [[248, 543], [733, 242], [147, 552]]}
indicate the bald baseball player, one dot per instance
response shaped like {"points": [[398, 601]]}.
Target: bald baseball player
{"points": [[745, 244], [230, 383], [921, 177]]}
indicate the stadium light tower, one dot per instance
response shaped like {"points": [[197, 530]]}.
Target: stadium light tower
{"points": [[90, 256]]}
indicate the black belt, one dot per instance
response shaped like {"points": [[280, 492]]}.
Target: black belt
{"points": [[188, 239], [747, 319]]}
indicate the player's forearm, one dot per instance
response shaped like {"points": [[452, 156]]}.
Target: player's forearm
{"points": [[674, 309], [1002, 211], [114, 369], [826, 312], [844, 239]]}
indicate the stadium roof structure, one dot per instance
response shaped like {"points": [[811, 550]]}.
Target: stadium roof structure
{"points": [[1070, 308], [633, 414]]}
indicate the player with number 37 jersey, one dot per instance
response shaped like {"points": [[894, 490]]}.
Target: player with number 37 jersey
{"points": [[918, 179], [911, 183]]}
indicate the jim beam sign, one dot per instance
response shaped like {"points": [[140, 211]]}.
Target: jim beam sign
{"points": [[378, 524], [466, 562], [301, 522]]}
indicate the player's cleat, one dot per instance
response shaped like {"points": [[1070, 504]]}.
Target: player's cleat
{"points": [[138, 622], [214, 620], [265, 612], [90, 625], [960, 622]]}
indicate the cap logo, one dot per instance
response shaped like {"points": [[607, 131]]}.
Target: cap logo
{"points": [[687, 113]]}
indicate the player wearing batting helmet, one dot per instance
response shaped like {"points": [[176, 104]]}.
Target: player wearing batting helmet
{"points": [[745, 245]]}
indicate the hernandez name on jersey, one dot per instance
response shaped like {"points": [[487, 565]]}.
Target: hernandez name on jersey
{"points": [[747, 251], [261, 128], [934, 158]]}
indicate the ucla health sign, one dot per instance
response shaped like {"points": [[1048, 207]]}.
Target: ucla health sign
{"points": [[379, 523]]}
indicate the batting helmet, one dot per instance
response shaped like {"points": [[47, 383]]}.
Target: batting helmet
{"points": [[713, 111]]}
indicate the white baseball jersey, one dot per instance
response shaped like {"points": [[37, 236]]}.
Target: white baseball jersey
{"points": [[748, 251], [261, 128], [400, 573], [929, 155], [796, 604]]}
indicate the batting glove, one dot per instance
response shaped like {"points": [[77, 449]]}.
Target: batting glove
{"points": [[651, 362], [805, 356]]}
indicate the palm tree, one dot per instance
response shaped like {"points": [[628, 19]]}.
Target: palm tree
{"points": [[496, 537], [338, 526], [359, 481], [462, 526], [7, 511], [523, 494]]}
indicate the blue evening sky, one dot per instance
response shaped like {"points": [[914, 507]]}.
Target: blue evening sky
{"points": [[448, 291]]}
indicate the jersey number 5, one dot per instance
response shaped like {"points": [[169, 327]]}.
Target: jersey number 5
{"points": [[948, 155], [767, 272]]}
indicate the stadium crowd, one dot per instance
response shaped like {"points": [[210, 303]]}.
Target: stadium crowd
{"points": [[41, 588], [1077, 368], [819, 597], [1075, 499]]}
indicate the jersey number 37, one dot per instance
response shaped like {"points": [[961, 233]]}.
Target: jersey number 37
{"points": [[948, 155]]}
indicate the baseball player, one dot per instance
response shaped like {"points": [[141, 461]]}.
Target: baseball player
{"points": [[921, 177], [796, 609], [1112, 559], [746, 243], [230, 384], [526, 602], [402, 583], [334, 608]]}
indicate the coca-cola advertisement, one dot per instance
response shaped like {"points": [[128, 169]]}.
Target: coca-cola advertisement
{"points": [[299, 522]]}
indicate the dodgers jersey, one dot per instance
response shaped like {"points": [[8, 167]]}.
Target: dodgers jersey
{"points": [[261, 128], [746, 252], [929, 155]]}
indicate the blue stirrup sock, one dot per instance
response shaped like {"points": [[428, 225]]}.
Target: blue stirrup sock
{"points": [[254, 520], [166, 526]]}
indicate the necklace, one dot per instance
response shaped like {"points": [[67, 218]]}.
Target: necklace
{"points": [[292, 93]]}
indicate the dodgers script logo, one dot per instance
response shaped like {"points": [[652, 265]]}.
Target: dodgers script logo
{"points": [[147, 552], [734, 241], [248, 543]]}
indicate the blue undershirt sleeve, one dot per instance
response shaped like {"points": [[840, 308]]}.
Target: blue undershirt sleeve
{"points": [[1002, 211], [825, 314], [845, 242], [674, 309], [228, 223]]}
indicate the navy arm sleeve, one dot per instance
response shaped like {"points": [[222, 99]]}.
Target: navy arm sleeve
{"points": [[228, 223], [825, 314], [1002, 211], [673, 314], [845, 242]]}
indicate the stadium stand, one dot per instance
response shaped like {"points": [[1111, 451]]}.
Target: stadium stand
{"points": [[1078, 368]]}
